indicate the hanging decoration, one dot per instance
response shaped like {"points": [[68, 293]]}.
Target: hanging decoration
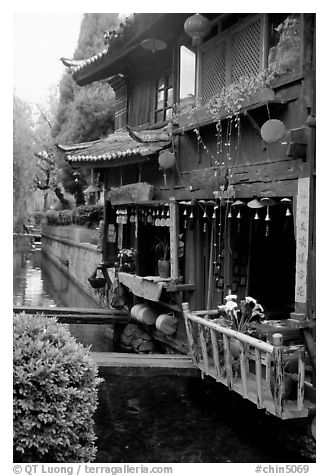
{"points": [[163, 220], [268, 202], [197, 27], [287, 202], [256, 204], [272, 131], [238, 204], [153, 44], [168, 218], [166, 159]]}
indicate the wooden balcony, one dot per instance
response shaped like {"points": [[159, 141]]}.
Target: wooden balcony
{"points": [[255, 369]]}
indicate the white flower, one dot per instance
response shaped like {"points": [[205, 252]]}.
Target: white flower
{"points": [[230, 297], [230, 305]]}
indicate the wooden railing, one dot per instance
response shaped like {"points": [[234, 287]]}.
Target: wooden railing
{"points": [[251, 367]]}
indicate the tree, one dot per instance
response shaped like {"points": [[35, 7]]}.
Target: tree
{"points": [[84, 113], [23, 161]]}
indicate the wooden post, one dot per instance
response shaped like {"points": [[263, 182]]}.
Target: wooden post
{"points": [[243, 368], [211, 268], [189, 331], [278, 373], [228, 364], [203, 348], [301, 380], [259, 379], [267, 365], [215, 352], [174, 235]]}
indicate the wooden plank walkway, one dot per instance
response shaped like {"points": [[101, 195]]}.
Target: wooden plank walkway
{"points": [[71, 315], [145, 365]]}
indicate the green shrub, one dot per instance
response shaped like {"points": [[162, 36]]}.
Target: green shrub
{"points": [[87, 214], [55, 393], [65, 217], [82, 215], [52, 217]]}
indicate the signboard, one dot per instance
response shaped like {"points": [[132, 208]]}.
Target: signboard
{"points": [[131, 193], [302, 239]]}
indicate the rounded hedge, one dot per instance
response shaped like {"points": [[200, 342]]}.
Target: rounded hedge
{"points": [[55, 393], [83, 215]]}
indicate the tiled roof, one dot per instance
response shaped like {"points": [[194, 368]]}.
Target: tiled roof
{"points": [[119, 146], [123, 39]]}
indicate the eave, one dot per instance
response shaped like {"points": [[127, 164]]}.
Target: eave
{"points": [[112, 60], [120, 148]]}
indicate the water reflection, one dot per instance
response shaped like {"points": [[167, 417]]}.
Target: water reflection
{"points": [[38, 282]]}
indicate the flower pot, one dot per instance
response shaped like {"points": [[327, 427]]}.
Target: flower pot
{"points": [[164, 268]]}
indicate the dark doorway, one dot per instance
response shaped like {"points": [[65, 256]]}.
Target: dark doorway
{"points": [[272, 263]]}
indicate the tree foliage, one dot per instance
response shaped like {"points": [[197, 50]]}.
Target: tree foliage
{"points": [[23, 161], [86, 113]]}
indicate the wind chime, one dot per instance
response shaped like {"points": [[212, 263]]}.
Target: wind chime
{"points": [[287, 202], [256, 205], [238, 204], [268, 202]]}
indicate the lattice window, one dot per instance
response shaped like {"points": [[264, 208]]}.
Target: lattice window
{"points": [[213, 70], [246, 51]]}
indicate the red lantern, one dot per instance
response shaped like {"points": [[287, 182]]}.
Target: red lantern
{"points": [[197, 27], [166, 159], [272, 131]]}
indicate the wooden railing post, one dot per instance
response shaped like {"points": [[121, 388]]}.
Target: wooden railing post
{"points": [[278, 373], [301, 380], [203, 345], [244, 370], [228, 361], [259, 384], [215, 353], [189, 331]]}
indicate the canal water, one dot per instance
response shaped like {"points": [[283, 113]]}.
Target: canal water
{"points": [[159, 419]]}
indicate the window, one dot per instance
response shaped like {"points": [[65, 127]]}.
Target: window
{"points": [[187, 73], [164, 98], [236, 52]]}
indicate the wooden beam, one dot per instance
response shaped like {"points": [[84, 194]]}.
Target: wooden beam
{"points": [[68, 310], [78, 315], [124, 364]]}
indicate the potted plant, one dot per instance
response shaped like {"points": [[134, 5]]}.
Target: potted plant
{"points": [[162, 249]]}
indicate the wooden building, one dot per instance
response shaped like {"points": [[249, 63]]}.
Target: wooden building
{"points": [[214, 154]]}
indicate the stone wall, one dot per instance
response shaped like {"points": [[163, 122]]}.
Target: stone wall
{"points": [[73, 249]]}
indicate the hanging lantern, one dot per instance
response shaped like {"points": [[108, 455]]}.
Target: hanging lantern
{"points": [[197, 27], [168, 218], [166, 159], [163, 220], [272, 131], [157, 220]]}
